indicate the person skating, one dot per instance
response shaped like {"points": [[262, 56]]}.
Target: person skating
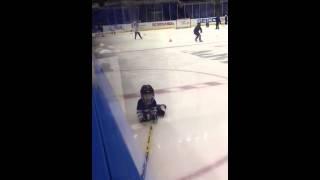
{"points": [[136, 30], [197, 30], [218, 21], [226, 19]]}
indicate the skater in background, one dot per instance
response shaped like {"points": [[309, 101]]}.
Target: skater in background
{"points": [[226, 19], [218, 21], [100, 30], [136, 30], [113, 30], [196, 32], [147, 108]]}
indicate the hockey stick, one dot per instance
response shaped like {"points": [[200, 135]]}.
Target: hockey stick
{"points": [[147, 155]]}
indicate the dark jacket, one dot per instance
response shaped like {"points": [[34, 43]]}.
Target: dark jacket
{"points": [[197, 29]]}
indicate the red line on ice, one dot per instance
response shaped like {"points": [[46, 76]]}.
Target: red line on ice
{"points": [[177, 70], [205, 169], [181, 88]]}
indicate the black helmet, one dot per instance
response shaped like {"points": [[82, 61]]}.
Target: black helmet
{"points": [[146, 89]]}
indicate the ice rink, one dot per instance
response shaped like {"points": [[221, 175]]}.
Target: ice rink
{"points": [[191, 78]]}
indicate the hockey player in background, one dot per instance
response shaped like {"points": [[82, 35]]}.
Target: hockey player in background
{"points": [[147, 108], [218, 21], [207, 23], [100, 29], [196, 32], [136, 30], [226, 19]]}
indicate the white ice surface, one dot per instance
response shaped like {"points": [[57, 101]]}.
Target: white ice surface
{"points": [[193, 136]]}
